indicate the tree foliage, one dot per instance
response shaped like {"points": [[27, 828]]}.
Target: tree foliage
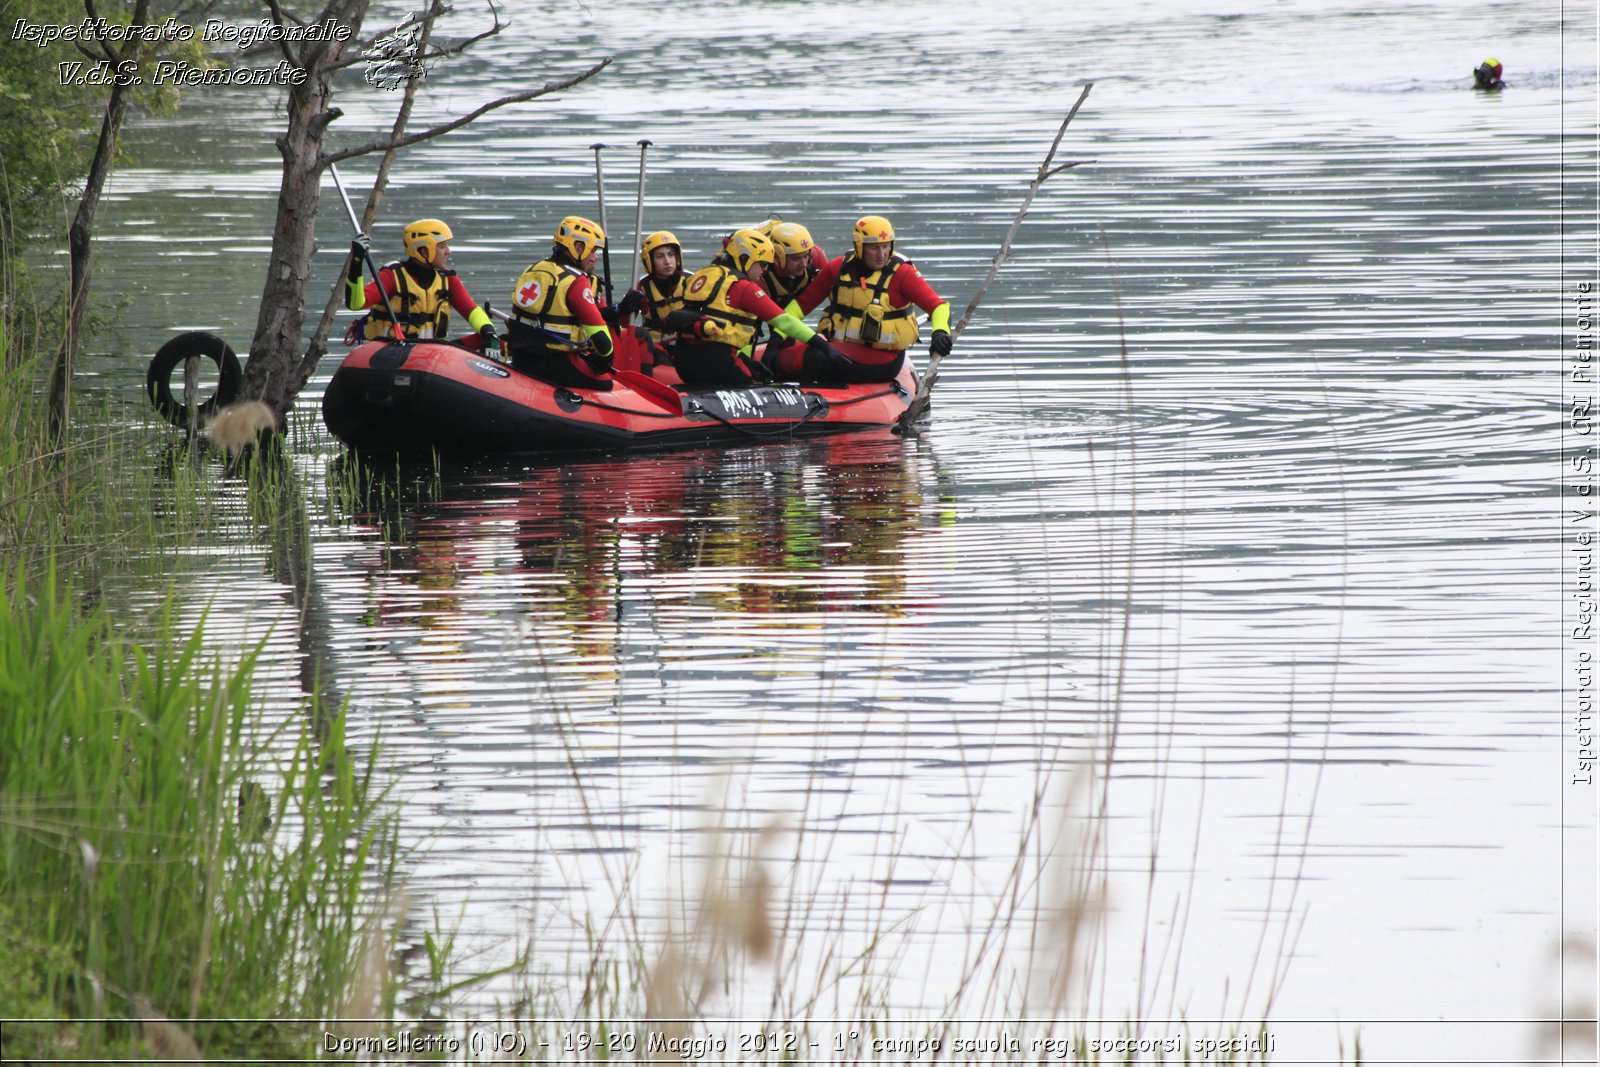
{"points": [[42, 125], [48, 120]]}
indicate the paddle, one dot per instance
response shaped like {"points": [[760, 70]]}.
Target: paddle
{"points": [[638, 215], [657, 392], [377, 275], [605, 246]]}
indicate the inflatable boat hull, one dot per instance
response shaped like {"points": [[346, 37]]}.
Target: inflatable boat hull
{"points": [[435, 395]]}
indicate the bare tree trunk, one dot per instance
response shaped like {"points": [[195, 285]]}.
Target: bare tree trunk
{"points": [[278, 368], [319, 337], [80, 238], [272, 373]]}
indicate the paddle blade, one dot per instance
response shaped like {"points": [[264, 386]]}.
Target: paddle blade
{"points": [[663, 396]]}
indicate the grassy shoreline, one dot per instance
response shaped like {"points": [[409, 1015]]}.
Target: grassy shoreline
{"points": [[168, 853]]}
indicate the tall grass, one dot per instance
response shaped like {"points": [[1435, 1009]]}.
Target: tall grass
{"points": [[168, 854], [159, 851]]}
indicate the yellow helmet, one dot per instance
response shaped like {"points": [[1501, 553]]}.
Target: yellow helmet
{"points": [[659, 239], [872, 230], [746, 248], [422, 239], [792, 239], [578, 237]]}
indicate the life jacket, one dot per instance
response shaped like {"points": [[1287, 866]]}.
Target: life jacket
{"points": [[782, 290], [424, 310], [540, 302], [658, 304], [706, 294], [859, 310]]}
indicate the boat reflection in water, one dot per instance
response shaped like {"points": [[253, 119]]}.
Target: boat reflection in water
{"points": [[610, 559]]}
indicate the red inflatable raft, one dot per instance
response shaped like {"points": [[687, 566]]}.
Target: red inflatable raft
{"points": [[389, 396]]}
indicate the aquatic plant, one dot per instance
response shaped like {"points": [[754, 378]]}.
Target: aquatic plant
{"points": [[169, 851], [167, 857]]}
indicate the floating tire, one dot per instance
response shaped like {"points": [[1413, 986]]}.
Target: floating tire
{"points": [[195, 344]]}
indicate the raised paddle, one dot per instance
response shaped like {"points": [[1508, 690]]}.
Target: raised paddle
{"points": [[605, 246], [377, 275], [638, 214]]}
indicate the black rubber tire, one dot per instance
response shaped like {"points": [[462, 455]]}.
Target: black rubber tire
{"points": [[158, 382]]}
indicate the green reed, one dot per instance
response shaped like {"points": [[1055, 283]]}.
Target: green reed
{"points": [[168, 850], [162, 849]]}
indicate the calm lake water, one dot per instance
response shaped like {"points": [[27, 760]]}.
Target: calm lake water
{"points": [[1261, 626]]}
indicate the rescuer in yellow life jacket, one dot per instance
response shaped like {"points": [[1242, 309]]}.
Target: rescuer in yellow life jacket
{"points": [[724, 311], [799, 261], [421, 288], [558, 331], [659, 291], [872, 298]]}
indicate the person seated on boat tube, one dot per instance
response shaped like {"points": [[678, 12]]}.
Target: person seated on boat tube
{"points": [[799, 261], [1486, 75], [724, 311], [557, 331], [872, 297], [658, 293], [422, 288]]}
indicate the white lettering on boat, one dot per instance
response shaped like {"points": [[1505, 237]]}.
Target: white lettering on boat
{"points": [[752, 403]]}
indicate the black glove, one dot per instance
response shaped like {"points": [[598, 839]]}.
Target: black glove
{"points": [[682, 321], [759, 371], [491, 340], [612, 315], [359, 248], [599, 353], [822, 348], [631, 302], [939, 345]]}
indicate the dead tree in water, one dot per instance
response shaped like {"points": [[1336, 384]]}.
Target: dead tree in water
{"points": [[919, 403], [278, 367], [122, 60]]}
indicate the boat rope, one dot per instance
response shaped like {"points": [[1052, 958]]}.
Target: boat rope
{"points": [[624, 411], [869, 396], [816, 408], [777, 431]]}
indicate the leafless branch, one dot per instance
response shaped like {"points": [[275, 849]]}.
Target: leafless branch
{"points": [[439, 9], [445, 127], [1068, 166], [279, 17], [102, 49], [919, 403], [369, 214]]}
